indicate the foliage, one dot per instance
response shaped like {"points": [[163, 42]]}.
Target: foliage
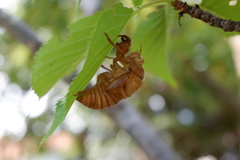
{"points": [[110, 21], [155, 40], [58, 59], [55, 59], [222, 9], [137, 2], [189, 53], [57, 15]]}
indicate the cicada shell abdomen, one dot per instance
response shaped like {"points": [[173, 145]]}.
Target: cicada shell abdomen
{"points": [[97, 98]]}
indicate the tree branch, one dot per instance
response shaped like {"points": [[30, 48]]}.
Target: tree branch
{"points": [[132, 121], [20, 31], [196, 12], [126, 116]]}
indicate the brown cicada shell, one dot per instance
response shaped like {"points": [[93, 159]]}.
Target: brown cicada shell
{"points": [[123, 79]]}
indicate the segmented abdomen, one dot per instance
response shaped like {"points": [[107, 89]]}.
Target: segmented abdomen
{"points": [[102, 97], [97, 98]]}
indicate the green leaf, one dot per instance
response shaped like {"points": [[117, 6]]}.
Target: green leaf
{"points": [[153, 35], [56, 59], [222, 9], [59, 117], [137, 2], [111, 21]]}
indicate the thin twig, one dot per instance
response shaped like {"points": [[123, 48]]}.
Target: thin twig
{"points": [[196, 12]]}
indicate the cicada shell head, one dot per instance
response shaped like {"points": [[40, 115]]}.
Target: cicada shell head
{"points": [[125, 44]]}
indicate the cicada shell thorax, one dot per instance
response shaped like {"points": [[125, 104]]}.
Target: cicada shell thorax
{"points": [[123, 79], [134, 62]]}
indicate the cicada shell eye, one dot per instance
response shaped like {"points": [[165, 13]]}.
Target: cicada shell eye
{"points": [[139, 60], [125, 38]]}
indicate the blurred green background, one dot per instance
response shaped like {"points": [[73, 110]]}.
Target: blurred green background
{"points": [[199, 117]]}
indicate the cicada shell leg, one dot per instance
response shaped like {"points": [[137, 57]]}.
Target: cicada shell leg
{"points": [[120, 51]]}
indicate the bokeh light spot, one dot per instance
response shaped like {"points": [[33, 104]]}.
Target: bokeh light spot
{"points": [[12, 123], [157, 102], [3, 81], [32, 106], [186, 117]]}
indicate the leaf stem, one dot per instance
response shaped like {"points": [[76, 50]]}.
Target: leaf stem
{"points": [[77, 15], [158, 2]]}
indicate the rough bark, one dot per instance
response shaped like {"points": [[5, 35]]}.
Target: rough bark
{"points": [[196, 12]]}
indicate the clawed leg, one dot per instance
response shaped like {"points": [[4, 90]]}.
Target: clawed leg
{"points": [[114, 59], [109, 57], [114, 45], [110, 41], [106, 68], [180, 15]]}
